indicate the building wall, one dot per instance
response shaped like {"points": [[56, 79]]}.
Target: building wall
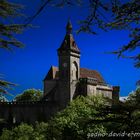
{"points": [[67, 78], [31, 112], [106, 91], [49, 85], [74, 75], [63, 94], [91, 90]]}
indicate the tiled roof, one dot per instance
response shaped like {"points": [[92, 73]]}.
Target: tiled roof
{"points": [[84, 73]]}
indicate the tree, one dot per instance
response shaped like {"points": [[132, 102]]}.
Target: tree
{"points": [[4, 85], [84, 117], [29, 95], [21, 132], [8, 28], [124, 16], [2, 98], [67, 124], [134, 97], [9, 12], [26, 132], [121, 116], [70, 123]]}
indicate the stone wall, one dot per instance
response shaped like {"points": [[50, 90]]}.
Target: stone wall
{"points": [[49, 85], [30, 112]]}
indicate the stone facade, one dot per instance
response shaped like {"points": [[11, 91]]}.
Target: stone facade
{"points": [[69, 80]]}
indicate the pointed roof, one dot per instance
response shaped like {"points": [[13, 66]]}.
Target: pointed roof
{"points": [[69, 27], [69, 42]]}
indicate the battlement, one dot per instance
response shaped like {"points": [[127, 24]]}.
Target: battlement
{"points": [[27, 102]]}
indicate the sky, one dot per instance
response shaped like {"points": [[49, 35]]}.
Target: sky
{"points": [[28, 66]]}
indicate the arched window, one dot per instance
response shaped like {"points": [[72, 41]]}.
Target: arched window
{"points": [[74, 71]]}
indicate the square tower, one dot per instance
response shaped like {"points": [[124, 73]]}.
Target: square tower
{"points": [[69, 67]]}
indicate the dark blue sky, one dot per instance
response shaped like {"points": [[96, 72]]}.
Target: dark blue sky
{"points": [[28, 66]]}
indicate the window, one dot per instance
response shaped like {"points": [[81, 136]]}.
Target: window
{"points": [[74, 71]]}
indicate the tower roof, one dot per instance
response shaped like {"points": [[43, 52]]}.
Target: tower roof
{"points": [[69, 27], [69, 42]]}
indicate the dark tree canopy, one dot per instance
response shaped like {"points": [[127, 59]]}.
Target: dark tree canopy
{"points": [[8, 29], [121, 116], [4, 85], [8, 26]]}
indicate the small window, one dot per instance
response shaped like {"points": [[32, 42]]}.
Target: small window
{"points": [[74, 71]]}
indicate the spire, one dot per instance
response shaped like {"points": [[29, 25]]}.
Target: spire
{"points": [[69, 42], [69, 27]]}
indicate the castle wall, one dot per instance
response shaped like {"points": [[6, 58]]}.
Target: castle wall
{"points": [[106, 91], [91, 90], [49, 85], [30, 112]]}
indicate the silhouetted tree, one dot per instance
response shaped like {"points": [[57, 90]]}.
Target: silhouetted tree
{"points": [[4, 85], [8, 28]]}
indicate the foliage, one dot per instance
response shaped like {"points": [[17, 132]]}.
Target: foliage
{"points": [[121, 116], [70, 123], [119, 15], [41, 129], [8, 13], [26, 132], [29, 95], [21, 132], [67, 124], [2, 98], [134, 97], [4, 85], [138, 83], [83, 116]]}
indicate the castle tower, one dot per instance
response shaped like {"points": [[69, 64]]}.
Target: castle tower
{"points": [[69, 66]]}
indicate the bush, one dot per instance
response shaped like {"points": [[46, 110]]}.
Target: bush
{"points": [[29, 95]]}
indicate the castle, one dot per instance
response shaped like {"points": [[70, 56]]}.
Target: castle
{"points": [[61, 85], [66, 82]]}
